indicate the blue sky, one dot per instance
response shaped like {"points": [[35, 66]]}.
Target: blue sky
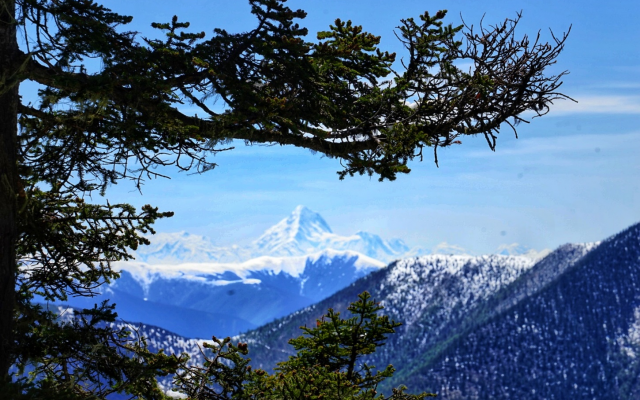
{"points": [[572, 176]]}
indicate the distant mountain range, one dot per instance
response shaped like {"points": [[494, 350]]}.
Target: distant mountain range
{"points": [[302, 233], [187, 285], [500, 327], [198, 300]]}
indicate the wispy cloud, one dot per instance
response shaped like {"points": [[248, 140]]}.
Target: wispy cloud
{"points": [[623, 144], [598, 104]]}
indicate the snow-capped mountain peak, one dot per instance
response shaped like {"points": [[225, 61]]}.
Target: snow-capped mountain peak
{"points": [[301, 232], [305, 231], [371, 238]]}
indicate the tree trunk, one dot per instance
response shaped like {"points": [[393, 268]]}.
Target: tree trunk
{"points": [[9, 99]]}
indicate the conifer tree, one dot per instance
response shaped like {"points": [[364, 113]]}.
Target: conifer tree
{"points": [[338, 95], [328, 363]]}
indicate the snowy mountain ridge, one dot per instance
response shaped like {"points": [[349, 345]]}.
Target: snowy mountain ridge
{"points": [[502, 325], [200, 299], [414, 285], [304, 232], [181, 247], [220, 274], [427, 292], [188, 285]]}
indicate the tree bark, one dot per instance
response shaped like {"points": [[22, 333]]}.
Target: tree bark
{"points": [[9, 99]]}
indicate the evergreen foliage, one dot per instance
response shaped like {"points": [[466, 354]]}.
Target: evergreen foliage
{"points": [[93, 128], [328, 363]]}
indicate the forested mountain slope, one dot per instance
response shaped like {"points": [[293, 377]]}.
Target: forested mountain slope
{"points": [[432, 293], [576, 338], [501, 327]]}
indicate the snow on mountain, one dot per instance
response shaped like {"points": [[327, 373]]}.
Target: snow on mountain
{"points": [[453, 282], [370, 244], [569, 338], [212, 289], [449, 249], [426, 294], [305, 231], [178, 247], [295, 263], [220, 274], [302, 233], [200, 299], [516, 249]]}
